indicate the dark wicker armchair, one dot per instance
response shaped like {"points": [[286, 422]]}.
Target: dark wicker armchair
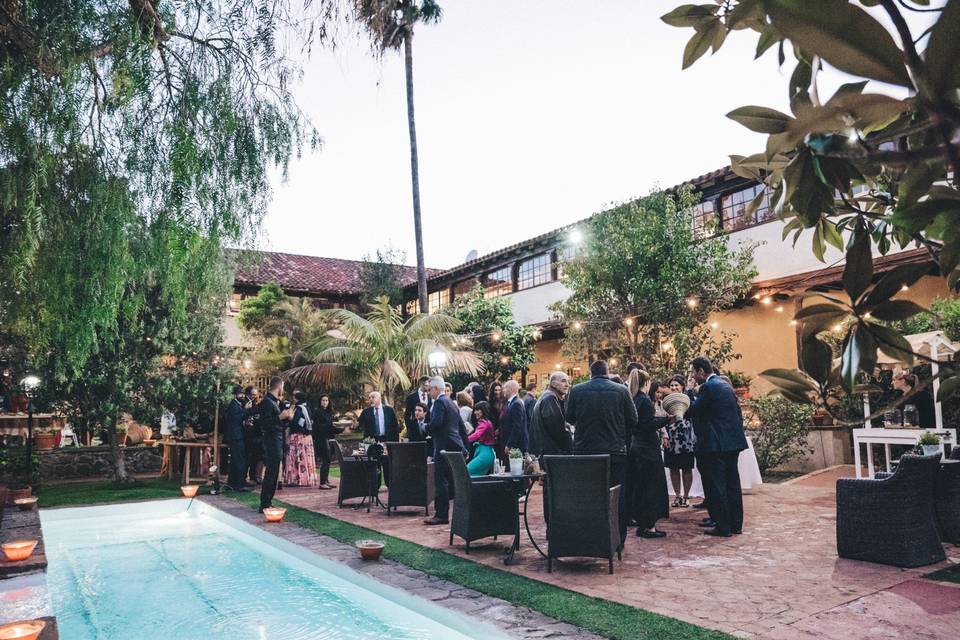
{"points": [[582, 509], [358, 478], [481, 508], [411, 476], [947, 496], [891, 521]]}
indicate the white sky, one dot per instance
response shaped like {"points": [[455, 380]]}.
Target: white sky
{"points": [[530, 115]]}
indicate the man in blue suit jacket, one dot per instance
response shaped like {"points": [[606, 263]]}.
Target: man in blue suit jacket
{"points": [[513, 425], [718, 425], [445, 429]]}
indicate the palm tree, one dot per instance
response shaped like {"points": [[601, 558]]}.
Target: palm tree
{"points": [[384, 351], [390, 25], [292, 326]]}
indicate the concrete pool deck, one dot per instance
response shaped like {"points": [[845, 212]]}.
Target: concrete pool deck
{"points": [[781, 579]]}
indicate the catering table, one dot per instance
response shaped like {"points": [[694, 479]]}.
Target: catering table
{"points": [[887, 437], [746, 463], [169, 465]]}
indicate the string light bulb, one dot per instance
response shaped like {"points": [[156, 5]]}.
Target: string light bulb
{"points": [[793, 323], [904, 288], [766, 300], [714, 325], [837, 328], [628, 322], [557, 366], [692, 302], [613, 362], [504, 360], [779, 309], [496, 337], [578, 325], [666, 346]]}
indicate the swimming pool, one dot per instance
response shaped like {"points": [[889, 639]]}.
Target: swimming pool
{"points": [[151, 571]]}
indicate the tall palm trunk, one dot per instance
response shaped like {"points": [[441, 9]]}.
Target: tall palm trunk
{"points": [[415, 172]]}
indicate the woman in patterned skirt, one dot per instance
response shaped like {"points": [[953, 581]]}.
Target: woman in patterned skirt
{"points": [[300, 468], [678, 451]]}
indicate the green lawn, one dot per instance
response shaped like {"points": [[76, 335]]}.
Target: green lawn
{"points": [[603, 617]]}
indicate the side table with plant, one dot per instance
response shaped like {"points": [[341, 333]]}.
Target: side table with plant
{"points": [[929, 443]]}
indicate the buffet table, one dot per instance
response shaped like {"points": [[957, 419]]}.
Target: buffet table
{"points": [[746, 463], [170, 466]]}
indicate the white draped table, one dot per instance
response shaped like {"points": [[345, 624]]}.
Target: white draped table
{"points": [[746, 463]]}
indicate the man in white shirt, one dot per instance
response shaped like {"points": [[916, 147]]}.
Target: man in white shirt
{"points": [[379, 421]]}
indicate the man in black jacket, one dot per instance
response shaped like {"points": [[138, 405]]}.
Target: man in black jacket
{"points": [[718, 425], [379, 421], [270, 416], [420, 395], [233, 432], [445, 425], [603, 412], [513, 425], [549, 431]]}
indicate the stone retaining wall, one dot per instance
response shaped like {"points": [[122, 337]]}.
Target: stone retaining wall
{"points": [[95, 462]]}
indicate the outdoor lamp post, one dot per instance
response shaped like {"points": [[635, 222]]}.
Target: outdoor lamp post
{"points": [[30, 384], [437, 360]]}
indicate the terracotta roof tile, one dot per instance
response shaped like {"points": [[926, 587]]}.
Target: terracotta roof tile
{"points": [[309, 274]]}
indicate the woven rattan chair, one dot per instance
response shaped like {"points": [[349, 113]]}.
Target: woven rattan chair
{"points": [[411, 476], [481, 508], [947, 498], [891, 521], [582, 509], [357, 477]]}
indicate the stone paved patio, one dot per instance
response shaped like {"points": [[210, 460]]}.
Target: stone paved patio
{"points": [[780, 579]]}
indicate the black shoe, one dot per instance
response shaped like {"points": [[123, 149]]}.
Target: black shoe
{"points": [[736, 531], [702, 505], [435, 521], [708, 523], [718, 533], [643, 533]]}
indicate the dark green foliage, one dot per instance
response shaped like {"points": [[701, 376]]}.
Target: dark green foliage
{"points": [[495, 335], [255, 311], [381, 274], [781, 435], [645, 285]]}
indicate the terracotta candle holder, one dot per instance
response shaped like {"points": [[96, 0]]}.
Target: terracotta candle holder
{"points": [[274, 514], [190, 490], [29, 630], [26, 504], [18, 550]]}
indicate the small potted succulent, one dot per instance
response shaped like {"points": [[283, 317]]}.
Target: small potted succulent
{"points": [[930, 443], [516, 462], [741, 384]]}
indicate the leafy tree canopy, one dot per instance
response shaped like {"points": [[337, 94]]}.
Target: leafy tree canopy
{"points": [[645, 284], [862, 170], [381, 274], [503, 346], [256, 312]]}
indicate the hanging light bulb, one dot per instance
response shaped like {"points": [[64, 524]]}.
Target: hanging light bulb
{"points": [[495, 337], [766, 300], [692, 302], [613, 362], [578, 325], [714, 325], [628, 322], [779, 309], [504, 360]]}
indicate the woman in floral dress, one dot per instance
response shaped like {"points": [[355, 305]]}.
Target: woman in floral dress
{"points": [[300, 468], [678, 451]]}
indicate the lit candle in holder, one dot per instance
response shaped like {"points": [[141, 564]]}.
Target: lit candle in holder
{"points": [[190, 490], [22, 630], [18, 550], [274, 514]]}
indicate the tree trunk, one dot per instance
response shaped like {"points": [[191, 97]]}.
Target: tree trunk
{"points": [[120, 474], [415, 172]]}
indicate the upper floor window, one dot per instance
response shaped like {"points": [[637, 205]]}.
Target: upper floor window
{"points": [[464, 287], [438, 299], [733, 208], [704, 218], [566, 254], [534, 271], [498, 283]]}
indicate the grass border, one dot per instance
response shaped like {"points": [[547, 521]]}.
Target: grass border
{"points": [[602, 617]]}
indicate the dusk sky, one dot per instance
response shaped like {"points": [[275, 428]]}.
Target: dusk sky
{"points": [[530, 115]]}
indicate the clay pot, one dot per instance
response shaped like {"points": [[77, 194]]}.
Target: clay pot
{"points": [[370, 549], [274, 514], [27, 504], [18, 550], [29, 630], [189, 490]]}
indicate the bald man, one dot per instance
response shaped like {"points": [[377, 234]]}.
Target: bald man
{"points": [[378, 420]]}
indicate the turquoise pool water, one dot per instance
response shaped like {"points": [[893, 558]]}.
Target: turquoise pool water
{"points": [[152, 571]]}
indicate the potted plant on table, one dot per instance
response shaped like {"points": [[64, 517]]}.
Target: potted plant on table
{"points": [[516, 462], [929, 443]]}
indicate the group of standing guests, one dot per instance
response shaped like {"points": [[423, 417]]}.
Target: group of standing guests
{"points": [[268, 434]]}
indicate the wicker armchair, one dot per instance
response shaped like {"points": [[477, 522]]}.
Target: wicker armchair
{"points": [[891, 521], [481, 508], [947, 498], [357, 477], [411, 476], [582, 509]]}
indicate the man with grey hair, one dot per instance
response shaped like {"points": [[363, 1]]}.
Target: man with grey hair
{"points": [[445, 429], [549, 430], [379, 421], [513, 424]]}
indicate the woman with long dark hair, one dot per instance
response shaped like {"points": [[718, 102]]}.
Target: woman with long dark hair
{"points": [[646, 462], [482, 439], [495, 400], [300, 467], [323, 430], [678, 450]]}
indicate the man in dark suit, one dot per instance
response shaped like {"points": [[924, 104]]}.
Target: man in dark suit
{"points": [[379, 421], [513, 425], [718, 425], [420, 395], [603, 413], [529, 400], [233, 432], [270, 416], [444, 427]]}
